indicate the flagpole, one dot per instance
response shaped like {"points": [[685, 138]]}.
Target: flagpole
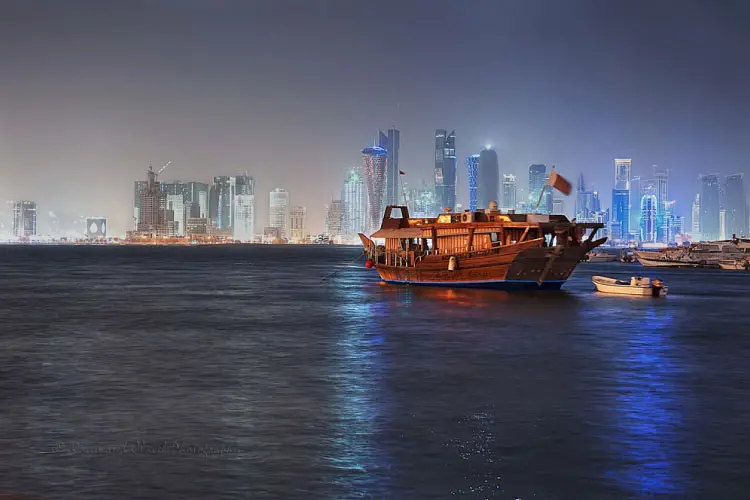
{"points": [[539, 201]]}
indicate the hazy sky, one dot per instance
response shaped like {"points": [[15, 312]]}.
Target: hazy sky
{"points": [[291, 91]]}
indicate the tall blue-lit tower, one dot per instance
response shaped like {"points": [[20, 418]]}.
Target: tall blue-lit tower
{"points": [[445, 169], [472, 171]]}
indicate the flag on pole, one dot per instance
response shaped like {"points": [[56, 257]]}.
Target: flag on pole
{"points": [[559, 182], [401, 172]]}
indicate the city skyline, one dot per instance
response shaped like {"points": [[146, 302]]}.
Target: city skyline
{"points": [[87, 108]]}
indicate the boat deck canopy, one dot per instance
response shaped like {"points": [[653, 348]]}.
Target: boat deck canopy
{"points": [[408, 232]]}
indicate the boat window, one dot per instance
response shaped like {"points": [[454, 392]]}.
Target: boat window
{"points": [[493, 237], [396, 213]]}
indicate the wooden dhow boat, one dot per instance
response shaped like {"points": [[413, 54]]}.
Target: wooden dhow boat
{"points": [[482, 249]]}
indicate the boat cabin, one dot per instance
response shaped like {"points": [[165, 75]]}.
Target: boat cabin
{"points": [[471, 234]]}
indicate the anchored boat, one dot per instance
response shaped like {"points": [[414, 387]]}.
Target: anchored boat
{"points": [[637, 286], [482, 249]]}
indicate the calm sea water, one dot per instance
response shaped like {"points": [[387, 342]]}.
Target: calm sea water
{"points": [[238, 372]]}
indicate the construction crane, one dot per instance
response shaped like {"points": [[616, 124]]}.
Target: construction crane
{"points": [[163, 167]]}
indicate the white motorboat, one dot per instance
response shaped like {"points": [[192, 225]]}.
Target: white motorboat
{"points": [[637, 286]]}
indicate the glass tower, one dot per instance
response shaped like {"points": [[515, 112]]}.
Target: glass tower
{"points": [[472, 171], [445, 170]]}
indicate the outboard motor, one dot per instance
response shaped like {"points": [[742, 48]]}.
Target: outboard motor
{"points": [[656, 287]]}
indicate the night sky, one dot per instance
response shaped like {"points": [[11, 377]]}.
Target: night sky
{"points": [[291, 91]]}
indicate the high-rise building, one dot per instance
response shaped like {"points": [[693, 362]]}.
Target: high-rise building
{"points": [[138, 187], [661, 180], [335, 219], [278, 211], [421, 203], [537, 181], [622, 173], [221, 202], [154, 219], [710, 207], [508, 200], [197, 194], [557, 206], [391, 143], [24, 219], [621, 200], [243, 208], [445, 169], [636, 193], [649, 209], [736, 206], [584, 210], [355, 204], [696, 220], [489, 178], [722, 224], [374, 163], [472, 171], [298, 223]]}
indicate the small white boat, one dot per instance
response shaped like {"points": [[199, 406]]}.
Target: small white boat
{"points": [[638, 286], [735, 264]]}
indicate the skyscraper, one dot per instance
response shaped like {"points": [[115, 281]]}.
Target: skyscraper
{"points": [[622, 173], [421, 203], [374, 162], [508, 201], [355, 204], [636, 193], [649, 209], [489, 178], [736, 206], [391, 143], [222, 201], [472, 171], [278, 211], [298, 223], [24, 219], [335, 219], [153, 217], [445, 169], [696, 212], [661, 179], [243, 208], [138, 187], [557, 206], [537, 181], [584, 210], [621, 200], [710, 207]]}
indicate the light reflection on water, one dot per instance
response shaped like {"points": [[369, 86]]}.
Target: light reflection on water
{"points": [[358, 388], [647, 415]]}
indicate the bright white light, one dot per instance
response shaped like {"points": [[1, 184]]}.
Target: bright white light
{"points": [[488, 146]]}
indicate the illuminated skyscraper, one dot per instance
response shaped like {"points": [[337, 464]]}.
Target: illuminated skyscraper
{"points": [[243, 208], [24, 219], [696, 220], [584, 211], [710, 207], [445, 169], [736, 206], [374, 163], [488, 186], [621, 200], [153, 217], [298, 223], [421, 203], [335, 219], [537, 181], [138, 187], [355, 204], [622, 173], [391, 143], [472, 171], [636, 193], [649, 208], [278, 211], [508, 201], [221, 201]]}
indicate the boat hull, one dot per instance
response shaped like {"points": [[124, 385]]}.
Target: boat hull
{"points": [[606, 286], [528, 266]]}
